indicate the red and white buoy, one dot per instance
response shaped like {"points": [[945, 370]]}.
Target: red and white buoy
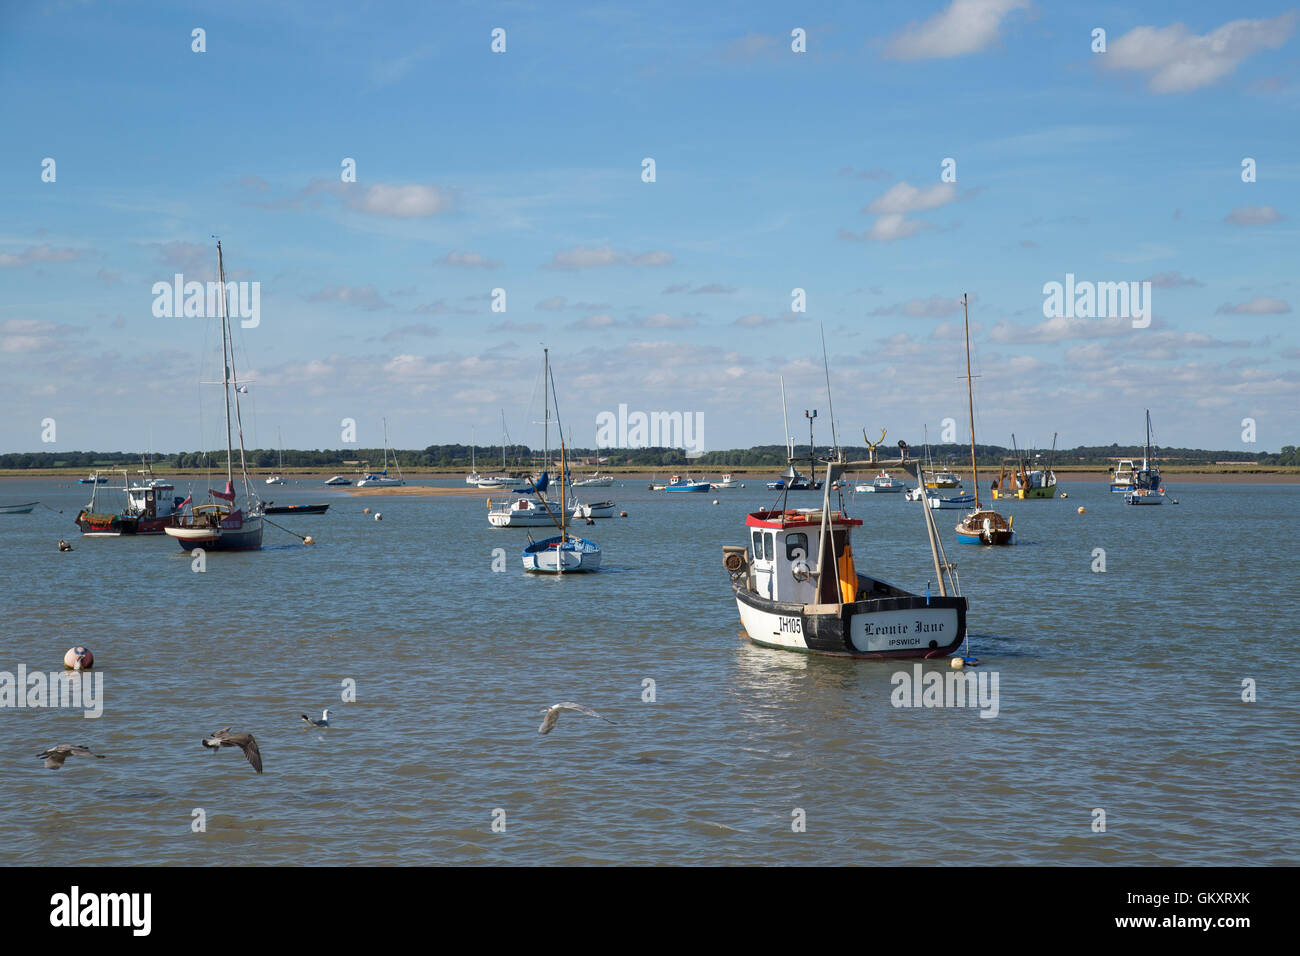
{"points": [[78, 659]]}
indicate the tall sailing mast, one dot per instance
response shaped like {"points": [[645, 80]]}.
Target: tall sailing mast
{"points": [[970, 402], [226, 362]]}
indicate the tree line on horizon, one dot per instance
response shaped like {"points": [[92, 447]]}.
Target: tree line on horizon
{"points": [[524, 458]]}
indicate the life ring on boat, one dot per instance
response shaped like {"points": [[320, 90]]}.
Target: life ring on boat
{"points": [[800, 570]]}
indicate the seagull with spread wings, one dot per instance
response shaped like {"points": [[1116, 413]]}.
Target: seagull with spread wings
{"points": [[55, 756], [245, 742], [553, 714]]}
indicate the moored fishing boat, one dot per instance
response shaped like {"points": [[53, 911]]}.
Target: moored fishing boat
{"points": [[148, 510], [219, 525], [1121, 477], [982, 525], [797, 587], [942, 479], [1015, 480]]}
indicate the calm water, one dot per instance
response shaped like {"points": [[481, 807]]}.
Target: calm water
{"points": [[1118, 690]]}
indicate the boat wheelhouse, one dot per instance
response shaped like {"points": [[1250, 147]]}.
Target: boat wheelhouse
{"points": [[797, 587], [1121, 477]]}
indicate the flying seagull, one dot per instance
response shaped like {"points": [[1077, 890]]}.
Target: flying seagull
{"points": [[553, 714], [245, 742], [55, 756], [324, 719]]}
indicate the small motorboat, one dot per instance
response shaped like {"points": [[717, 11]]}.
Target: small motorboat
{"points": [[271, 509], [728, 481], [883, 483], [275, 480], [19, 509], [339, 480], [595, 480], [93, 479], [677, 483], [562, 554], [597, 509]]}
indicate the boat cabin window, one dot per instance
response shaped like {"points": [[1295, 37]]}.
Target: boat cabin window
{"points": [[758, 545], [796, 546], [769, 546]]}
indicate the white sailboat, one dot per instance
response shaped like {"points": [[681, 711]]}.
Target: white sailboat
{"points": [[381, 479], [564, 553], [278, 477], [219, 525]]}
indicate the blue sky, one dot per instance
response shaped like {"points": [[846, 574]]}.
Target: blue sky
{"points": [[775, 170]]}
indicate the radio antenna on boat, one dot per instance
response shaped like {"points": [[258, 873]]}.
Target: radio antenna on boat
{"points": [[835, 444], [789, 448]]}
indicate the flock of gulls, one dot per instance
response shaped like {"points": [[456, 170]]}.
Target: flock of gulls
{"points": [[55, 756]]}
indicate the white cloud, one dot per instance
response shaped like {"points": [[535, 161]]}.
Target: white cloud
{"points": [[366, 296], [585, 257], [1260, 305], [594, 257], [1253, 216], [1180, 61], [38, 254], [965, 26], [903, 198], [401, 202], [470, 260]]}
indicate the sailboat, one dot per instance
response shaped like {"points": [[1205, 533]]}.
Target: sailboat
{"points": [[278, 477], [564, 553], [983, 525], [219, 525], [381, 479], [1146, 487]]}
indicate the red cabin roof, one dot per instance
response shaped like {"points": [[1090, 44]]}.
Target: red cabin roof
{"points": [[792, 518]]}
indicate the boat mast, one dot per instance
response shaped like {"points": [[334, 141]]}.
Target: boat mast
{"points": [[970, 402], [789, 446], [239, 419], [1146, 449], [546, 411], [225, 362]]}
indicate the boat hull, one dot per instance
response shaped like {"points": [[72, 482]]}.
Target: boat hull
{"points": [[230, 536], [570, 555], [895, 624], [296, 509], [703, 486], [23, 509]]}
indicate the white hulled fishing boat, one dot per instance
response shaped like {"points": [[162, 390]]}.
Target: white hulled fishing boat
{"points": [[797, 586]]}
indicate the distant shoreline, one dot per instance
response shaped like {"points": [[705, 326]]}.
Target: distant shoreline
{"points": [[1246, 474]]}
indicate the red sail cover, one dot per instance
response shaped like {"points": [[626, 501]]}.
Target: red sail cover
{"points": [[228, 494]]}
